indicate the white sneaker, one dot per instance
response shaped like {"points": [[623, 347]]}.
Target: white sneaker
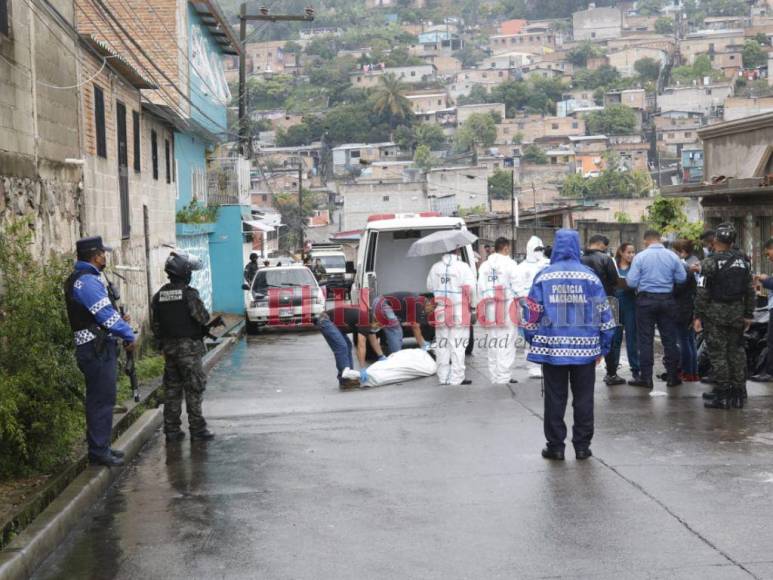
{"points": [[350, 374]]}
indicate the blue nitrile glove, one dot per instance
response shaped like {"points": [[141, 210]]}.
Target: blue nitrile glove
{"points": [[363, 376], [425, 348], [382, 357]]}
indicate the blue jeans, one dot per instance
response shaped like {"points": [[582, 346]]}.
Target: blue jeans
{"points": [[628, 325], [393, 331], [687, 350], [338, 342], [100, 371]]}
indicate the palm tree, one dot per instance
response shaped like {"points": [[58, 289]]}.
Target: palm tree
{"points": [[389, 101]]}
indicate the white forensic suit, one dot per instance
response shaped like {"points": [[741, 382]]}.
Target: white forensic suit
{"points": [[526, 271], [447, 280], [495, 290]]}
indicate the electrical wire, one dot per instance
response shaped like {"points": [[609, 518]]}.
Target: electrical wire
{"points": [[27, 72]]}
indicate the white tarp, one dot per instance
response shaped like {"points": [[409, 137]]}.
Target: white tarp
{"points": [[405, 365]]}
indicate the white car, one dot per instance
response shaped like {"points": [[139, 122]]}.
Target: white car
{"points": [[282, 296]]}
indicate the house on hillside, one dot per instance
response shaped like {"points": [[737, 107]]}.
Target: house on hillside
{"points": [[741, 151], [597, 23]]}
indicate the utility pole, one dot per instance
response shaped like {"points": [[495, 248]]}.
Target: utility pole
{"points": [[263, 16], [300, 207], [536, 212], [512, 213]]}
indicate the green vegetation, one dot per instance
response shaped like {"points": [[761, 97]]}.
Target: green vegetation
{"points": [[701, 68], [649, 7], [500, 185], [533, 154], [613, 120], [536, 95], [647, 68], [667, 215], [423, 158], [614, 181], [697, 10], [543, 9], [586, 50], [287, 205], [479, 129], [664, 25], [389, 101], [40, 416], [148, 368], [469, 211], [196, 213], [753, 55], [604, 77], [622, 218]]}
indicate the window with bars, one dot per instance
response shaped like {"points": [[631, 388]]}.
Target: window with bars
{"points": [[136, 138], [99, 122], [154, 153]]}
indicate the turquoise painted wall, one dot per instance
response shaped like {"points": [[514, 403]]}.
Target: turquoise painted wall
{"points": [[227, 259], [194, 239], [208, 87], [190, 154]]}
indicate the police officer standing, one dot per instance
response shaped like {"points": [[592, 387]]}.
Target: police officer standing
{"points": [[97, 326], [723, 310], [180, 324]]}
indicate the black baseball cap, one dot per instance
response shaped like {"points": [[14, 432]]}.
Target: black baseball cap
{"points": [[90, 244]]}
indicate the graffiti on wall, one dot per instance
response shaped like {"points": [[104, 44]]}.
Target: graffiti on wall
{"points": [[198, 245], [208, 67]]}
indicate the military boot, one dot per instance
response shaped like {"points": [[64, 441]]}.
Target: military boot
{"points": [[722, 399], [712, 394], [739, 397]]}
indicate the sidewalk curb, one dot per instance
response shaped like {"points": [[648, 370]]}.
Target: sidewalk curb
{"points": [[38, 540]]}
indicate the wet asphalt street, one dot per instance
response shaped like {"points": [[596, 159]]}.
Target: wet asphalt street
{"points": [[422, 481]]}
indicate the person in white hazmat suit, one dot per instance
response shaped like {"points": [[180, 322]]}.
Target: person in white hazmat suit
{"points": [[452, 282], [495, 291], [526, 271]]}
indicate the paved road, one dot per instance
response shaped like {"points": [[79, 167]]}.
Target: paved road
{"points": [[422, 481]]}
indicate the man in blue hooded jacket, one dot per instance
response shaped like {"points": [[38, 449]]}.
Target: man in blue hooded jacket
{"points": [[570, 328]]}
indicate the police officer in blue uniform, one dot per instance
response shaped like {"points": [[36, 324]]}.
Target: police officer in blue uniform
{"points": [[98, 327]]}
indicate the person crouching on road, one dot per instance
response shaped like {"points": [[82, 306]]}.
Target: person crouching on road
{"points": [[724, 308], [335, 324], [496, 280], [179, 323], [570, 328], [398, 310], [452, 283], [97, 326]]}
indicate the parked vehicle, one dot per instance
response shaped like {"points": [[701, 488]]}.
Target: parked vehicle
{"points": [[382, 265], [289, 295], [334, 260]]}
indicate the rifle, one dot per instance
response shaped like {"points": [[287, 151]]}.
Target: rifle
{"points": [[130, 370], [214, 323]]}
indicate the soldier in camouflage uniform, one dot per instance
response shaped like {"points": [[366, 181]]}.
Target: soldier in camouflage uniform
{"points": [[180, 324], [723, 310]]}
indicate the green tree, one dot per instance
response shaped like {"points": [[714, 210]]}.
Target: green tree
{"points": [[667, 215], [287, 205], [613, 120], [647, 68], [603, 77], [700, 68], [649, 7], [664, 25], [579, 55], [405, 138], [478, 129], [753, 55], [762, 38], [614, 181], [430, 135], [622, 217], [469, 55], [268, 93], [389, 101], [423, 158], [500, 184], [533, 154], [478, 94]]}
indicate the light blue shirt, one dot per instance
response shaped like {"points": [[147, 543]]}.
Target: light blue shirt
{"points": [[656, 270]]}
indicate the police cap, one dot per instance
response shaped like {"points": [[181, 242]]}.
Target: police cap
{"points": [[94, 243]]}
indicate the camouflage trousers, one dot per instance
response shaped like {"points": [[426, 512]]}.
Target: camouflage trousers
{"points": [[725, 347], [184, 374]]}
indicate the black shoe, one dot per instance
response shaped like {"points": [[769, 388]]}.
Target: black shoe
{"points": [[663, 376], [641, 383], [722, 400], [674, 382], [108, 460], [583, 454], [174, 436], [761, 378], [612, 380], [708, 380], [466, 382], [711, 395], [117, 453], [205, 435], [553, 454], [513, 381]]}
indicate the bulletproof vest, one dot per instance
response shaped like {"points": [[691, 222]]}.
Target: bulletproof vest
{"points": [[79, 316], [731, 280], [172, 313]]}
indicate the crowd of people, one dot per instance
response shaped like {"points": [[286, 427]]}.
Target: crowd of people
{"points": [[575, 309]]}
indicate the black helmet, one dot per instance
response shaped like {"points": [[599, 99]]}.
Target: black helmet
{"points": [[725, 233], [181, 265]]}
